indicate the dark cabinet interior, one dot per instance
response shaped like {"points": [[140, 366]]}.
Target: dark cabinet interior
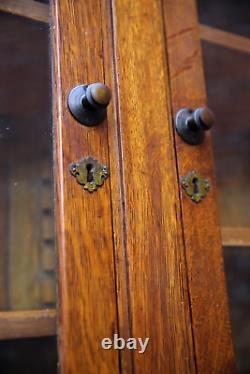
{"points": [[27, 230]]}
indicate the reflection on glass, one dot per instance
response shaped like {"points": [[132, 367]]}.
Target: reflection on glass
{"points": [[227, 76], [26, 188]]}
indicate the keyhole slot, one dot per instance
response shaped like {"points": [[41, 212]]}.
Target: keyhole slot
{"points": [[90, 176], [196, 185]]}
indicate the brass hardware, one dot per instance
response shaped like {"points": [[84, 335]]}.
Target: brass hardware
{"points": [[191, 125], [195, 186], [89, 173], [88, 103]]}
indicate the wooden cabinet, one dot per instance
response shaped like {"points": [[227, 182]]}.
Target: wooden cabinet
{"points": [[137, 257]]}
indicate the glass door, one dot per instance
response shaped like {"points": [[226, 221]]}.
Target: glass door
{"points": [[225, 35], [27, 232]]}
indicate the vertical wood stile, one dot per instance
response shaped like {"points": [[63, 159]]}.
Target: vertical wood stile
{"points": [[87, 295], [152, 239], [210, 319]]}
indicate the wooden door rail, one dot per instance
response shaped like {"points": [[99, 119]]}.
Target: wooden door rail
{"points": [[236, 236], [225, 39], [26, 8], [27, 324], [40, 12]]}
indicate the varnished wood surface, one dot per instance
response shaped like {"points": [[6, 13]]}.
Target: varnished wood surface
{"points": [[155, 266], [210, 320], [117, 192], [225, 38], [151, 279], [147, 270], [26, 8], [87, 293], [27, 324]]}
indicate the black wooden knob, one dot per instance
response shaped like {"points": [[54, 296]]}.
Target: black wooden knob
{"points": [[191, 125], [88, 103]]}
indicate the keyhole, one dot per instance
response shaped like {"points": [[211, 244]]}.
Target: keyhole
{"points": [[90, 176], [196, 185]]}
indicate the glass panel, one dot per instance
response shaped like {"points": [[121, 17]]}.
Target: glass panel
{"points": [[228, 87], [26, 185]]}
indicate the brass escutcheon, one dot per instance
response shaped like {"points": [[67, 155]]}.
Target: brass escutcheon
{"points": [[89, 173], [195, 186]]}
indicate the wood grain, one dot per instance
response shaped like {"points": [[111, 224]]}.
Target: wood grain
{"points": [[210, 319], [152, 238], [225, 38], [27, 324], [26, 8], [87, 293], [117, 190]]}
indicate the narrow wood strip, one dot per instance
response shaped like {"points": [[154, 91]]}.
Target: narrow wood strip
{"points": [[225, 39], [117, 192], [26, 8], [87, 291], [235, 236], [155, 264], [210, 317], [27, 324]]}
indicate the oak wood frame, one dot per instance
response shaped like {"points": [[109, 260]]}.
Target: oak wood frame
{"points": [[126, 264], [139, 137], [224, 38], [208, 296], [27, 324], [87, 293], [210, 308]]}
